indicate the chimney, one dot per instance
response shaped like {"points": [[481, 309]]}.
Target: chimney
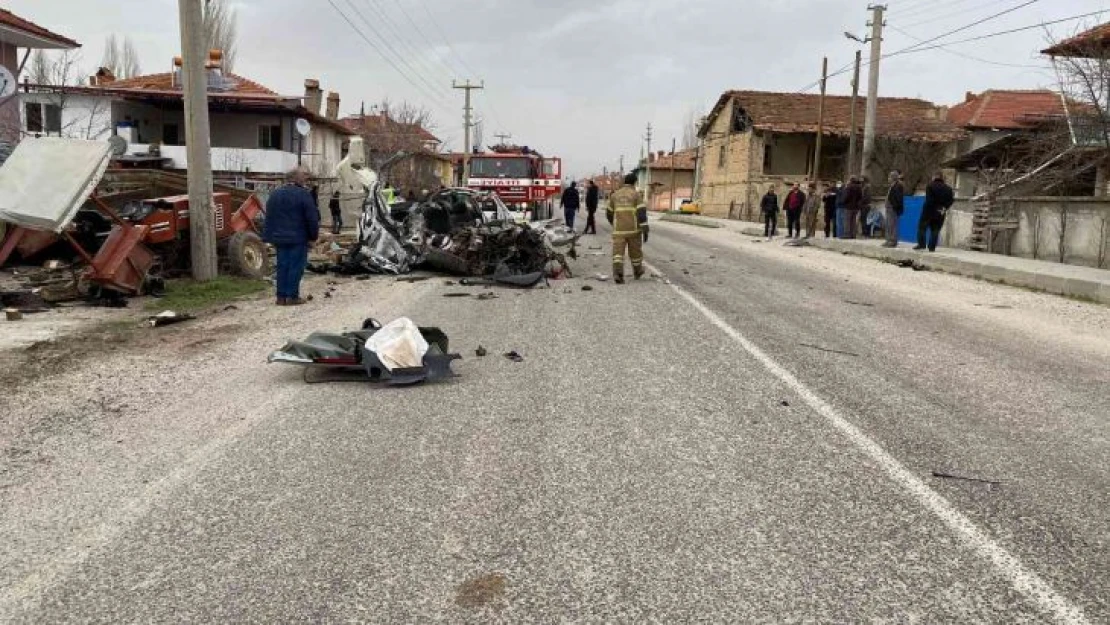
{"points": [[969, 96], [178, 64], [312, 95], [333, 105], [103, 76]]}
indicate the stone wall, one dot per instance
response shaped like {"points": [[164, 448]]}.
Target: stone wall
{"points": [[1071, 230]]}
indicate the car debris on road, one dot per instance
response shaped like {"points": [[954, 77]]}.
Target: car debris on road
{"points": [[400, 353]]}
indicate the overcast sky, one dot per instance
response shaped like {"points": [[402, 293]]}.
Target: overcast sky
{"points": [[582, 78]]}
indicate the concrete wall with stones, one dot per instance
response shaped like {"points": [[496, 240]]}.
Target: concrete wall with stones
{"points": [[1071, 230]]}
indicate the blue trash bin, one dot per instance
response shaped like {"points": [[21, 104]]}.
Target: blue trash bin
{"points": [[907, 225]]}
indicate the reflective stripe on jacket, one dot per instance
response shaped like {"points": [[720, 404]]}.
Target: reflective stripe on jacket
{"points": [[624, 209]]}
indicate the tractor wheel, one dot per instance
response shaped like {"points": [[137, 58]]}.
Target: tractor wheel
{"points": [[247, 255]]}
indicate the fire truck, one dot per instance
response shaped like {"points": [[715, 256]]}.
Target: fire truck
{"points": [[521, 177]]}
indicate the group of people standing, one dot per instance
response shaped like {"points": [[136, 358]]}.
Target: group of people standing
{"points": [[571, 201], [848, 210]]}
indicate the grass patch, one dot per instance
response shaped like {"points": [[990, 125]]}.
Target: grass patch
{"points": [[186, 295]]}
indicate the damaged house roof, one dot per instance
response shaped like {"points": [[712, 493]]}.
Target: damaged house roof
{"points": [[681, 160], [1007, 110], [898, 118], [370, 125]]}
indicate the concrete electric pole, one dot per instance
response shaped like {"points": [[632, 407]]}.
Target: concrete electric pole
{"points": [[852, 137], [820, 120], [872, 87], [202, 231], [468, 112]]}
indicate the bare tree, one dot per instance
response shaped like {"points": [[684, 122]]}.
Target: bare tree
{"points": [[690, 126], [129, 60], [399, 134], [110, 59], [917, 160], [39, 71], [221, 30], [1083, 68], [61, 112]]}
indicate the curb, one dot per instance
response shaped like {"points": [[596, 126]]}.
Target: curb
{"points": [[693, 221]]}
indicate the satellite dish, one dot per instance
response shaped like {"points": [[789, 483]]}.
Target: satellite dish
{"points": [[303, 127], [8, 84], [119, 145]]}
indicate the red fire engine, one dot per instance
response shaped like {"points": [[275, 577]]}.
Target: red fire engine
{"points": [[523, 178]]}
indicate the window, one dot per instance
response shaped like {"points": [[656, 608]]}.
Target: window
{"points": [[53, 115], [269, 137], [500, 168], [767, 152], [721, 157], [171, 134], [34, 117]]}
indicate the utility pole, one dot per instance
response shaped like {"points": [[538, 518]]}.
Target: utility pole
{"points": [[820, 120], [852, 138], [503, 137], [647, 170], [622, 168], [468, 113], [674, 144], [872, 86], [202, 230]]}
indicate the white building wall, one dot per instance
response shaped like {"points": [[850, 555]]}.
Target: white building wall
{"points": [[83, 117]]}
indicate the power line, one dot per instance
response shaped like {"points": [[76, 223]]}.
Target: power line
{"points": [[967, 26], [419, 75], [412, 51], [1000, 33], [969, 56], [383, 56], [443, 58]]}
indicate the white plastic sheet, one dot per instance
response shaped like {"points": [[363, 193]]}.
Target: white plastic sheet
{"points": [[46, 180], [399, 345]]}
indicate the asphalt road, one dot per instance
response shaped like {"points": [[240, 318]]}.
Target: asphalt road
{"points": [[751, 436]]}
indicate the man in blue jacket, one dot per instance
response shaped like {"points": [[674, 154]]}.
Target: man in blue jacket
{"points": [[292, 224]]}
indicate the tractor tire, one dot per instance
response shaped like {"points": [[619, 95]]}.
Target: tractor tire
{"points": [[248, 256]]}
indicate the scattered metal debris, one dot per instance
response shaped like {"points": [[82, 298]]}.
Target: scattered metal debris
{"points": [[168, 317], [487, 296], [953, 476], [587, 287], [831, 351], [401, 354], [867, 304], [785, 403], [514, 356], [456, 294], [481, 352], [12, 314]]}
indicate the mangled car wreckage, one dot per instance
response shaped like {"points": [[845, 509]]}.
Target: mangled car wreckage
{"points": [[456, 231]]}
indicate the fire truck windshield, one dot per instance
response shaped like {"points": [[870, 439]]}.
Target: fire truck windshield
{"points": [[499, 168]]}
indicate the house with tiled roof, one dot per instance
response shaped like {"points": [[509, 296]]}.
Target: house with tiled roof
{"points": [[405, 154], [671, 179], [253, 128], [19, 34], [752, 140]]}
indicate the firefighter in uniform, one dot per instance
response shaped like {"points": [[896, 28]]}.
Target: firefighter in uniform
{"points": [[628, 217]]}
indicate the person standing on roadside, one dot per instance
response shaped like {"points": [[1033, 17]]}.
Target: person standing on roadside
{"points": [[571, 203], [336, 213], [628, 216], [292, 224], [895, 205], [830, 201], [813, 203], [769, 206], [938, 199], [592, 197], [865, 207], [794, 203], [852, 203]]}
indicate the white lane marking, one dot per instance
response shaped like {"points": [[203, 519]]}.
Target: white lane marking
{"points": [[1024, 580]]}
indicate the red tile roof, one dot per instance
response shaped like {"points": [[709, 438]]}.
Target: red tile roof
{"points": [[382, 123], [900, 118], [1007, 110], [7, 18], [681, 160], [237, 85], [1087, 43]]}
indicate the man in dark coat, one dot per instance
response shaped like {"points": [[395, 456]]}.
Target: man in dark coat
{"points": [[571, 203], [939, 197], [794, 203], [769, 205], [336, 213], [292, 224], [829, 199], [895, 205], [852, 203], [592, 197]]}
